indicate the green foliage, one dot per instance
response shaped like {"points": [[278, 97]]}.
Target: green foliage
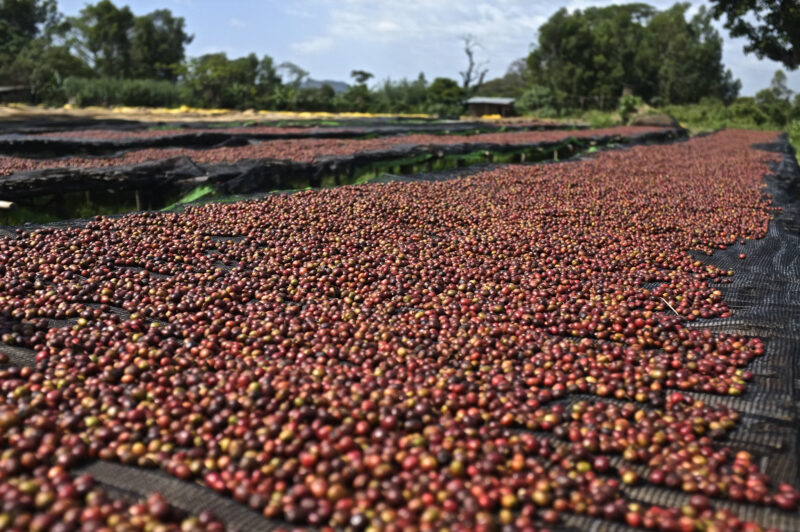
{"points": [[711, 114], [689, 63], [22, 22], [119, 44], [361, 76], [114, 91], [294, 73], [157, 47], [400, 96], [27, 30], [102, 38], [512, 85], [213, 80], [776, 109], [536, 100], [771, 27], [195, 194], [770, 109], [775, 101], [581, 64], [445, 90], [744, 113], [587, 58], [45, 67], [628, 104], [794, 114], [357, 98], [794, 136], [597, 119], [445, 97], [321, 99]]}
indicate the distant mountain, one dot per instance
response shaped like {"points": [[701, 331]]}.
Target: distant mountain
{"points": [[337, 86]]}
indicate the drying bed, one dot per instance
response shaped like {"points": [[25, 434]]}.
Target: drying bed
{"points": [[296, 163], [307, 150], [363, 129], [108, 141], [111, 134], [531, 346]]}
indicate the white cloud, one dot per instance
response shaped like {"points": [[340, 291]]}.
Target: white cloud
{"points": [[425, 28], [237, 23], [400, 38], [298, 10], [314, 45]]}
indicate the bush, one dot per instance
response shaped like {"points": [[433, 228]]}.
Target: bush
{"points": [[444, 109], [113, 91], [794, 136], [535, 101], [599, 119], [746, 112], [743, 113], [628, 105]]}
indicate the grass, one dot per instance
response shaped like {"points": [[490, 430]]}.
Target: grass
{"points": [[702, 118], [20, 215], [794, 136], [193, 195]]}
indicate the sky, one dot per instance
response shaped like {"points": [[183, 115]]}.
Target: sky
{"points": [[395, 38]]}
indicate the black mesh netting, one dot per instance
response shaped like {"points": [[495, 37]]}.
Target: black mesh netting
{"points": [[203, 136], [132, 482], [250, 175], [764, 297]]}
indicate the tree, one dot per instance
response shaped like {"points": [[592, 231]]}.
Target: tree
{"points": [[772, 27], [589, 58], [730, 87], [22, 22], [158, 45], [361, 76], [103, 38], [689, 64], [213, 80], [775, 101], [118, 44], [445, 90], [473, 76], [357, 98], [779, 87], [44, 67], [536, 99], [267, 77], [402, 96], [445, 97], [795, 112], [319, 99], [31, 49], [513, 84], [293, 73]]}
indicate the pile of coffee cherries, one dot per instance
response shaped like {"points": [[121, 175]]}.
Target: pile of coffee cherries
{"points": [[308, 149], [476, 354]]}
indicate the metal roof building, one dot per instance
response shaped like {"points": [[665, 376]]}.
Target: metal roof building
{"points": [[483, 105]]}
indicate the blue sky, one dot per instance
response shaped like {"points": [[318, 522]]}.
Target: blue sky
{"points": [[393, 38]]}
